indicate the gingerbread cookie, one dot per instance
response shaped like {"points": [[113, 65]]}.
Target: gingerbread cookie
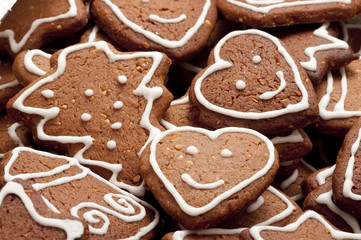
{"points": [[256, 84], [202, 177], [317, 47], [178, 28], [67, 187], [33, 23], [320, 200], [24, 215], [94, 34], [345, 179], [9, 85], [310, 225], [100, 106], [285, 13], [316, 179], [29, 65]]}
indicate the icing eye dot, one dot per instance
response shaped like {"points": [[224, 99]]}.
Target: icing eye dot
{"points": [[192, 150], [122, 79], [86, 117], [116, 125], [226, 153], [47, 93], [256, 59], [89, 92], [240, 85], [118, 105], [111, 144]]}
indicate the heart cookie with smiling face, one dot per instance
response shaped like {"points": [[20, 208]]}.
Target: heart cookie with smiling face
{"points": [[201, 177], [178, 28], [252, 81]]}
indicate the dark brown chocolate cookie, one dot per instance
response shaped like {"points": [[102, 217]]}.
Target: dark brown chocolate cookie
{"points": [[178, 28], [256, 84], [100, 106], [202, 177], [33, 23]]}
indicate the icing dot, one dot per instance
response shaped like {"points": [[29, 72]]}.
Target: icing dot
{"points": [[192, 150], [111, 144], [47, 93], [256, 59], [89, 92], [122, 79], [226, 153], [118, 105], [116, 125], [86, 117], [240, 85]]}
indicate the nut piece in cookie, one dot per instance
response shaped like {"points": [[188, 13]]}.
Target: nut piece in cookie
{"points": [[202, 177]]}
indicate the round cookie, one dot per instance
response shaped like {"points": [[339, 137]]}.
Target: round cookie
{"points": [[256, 84], [178, 28], [34, 23], [202, 177], [98, 105], [283, 13]]}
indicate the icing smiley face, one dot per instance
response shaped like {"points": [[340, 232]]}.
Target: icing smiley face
{"points": [[210, 164], [163, 25]]}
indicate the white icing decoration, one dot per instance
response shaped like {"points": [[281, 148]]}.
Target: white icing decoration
{"points": [[13, 135], [50, 205], [326, 198], [257, 204], [298, 197], [290, 180], [154, 37], [30, 66], [9, 84], [93, 33], [269, 95], [116, 125], [294, 137], [118, 105], [73, 229], [287, 163], [190, 67], [182, 100], [191, 182], [111, 144], [322, 32], [323, 175], [5, 7], [240, 85], [157, 18], [256, 59], [192, 150], [226, 153], [149, 93], [86, 117], [16, 46], [179, 235], [221, 64], [255, 231], [47, 93], [196, 211], [122, 79], [89, 92], [339, 109], [278, 4], [122, 209]]}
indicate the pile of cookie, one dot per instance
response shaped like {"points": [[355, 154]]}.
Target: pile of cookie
{"points": [[94, 146]]}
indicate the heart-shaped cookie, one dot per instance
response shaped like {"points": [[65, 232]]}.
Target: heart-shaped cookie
{"points": [[252, 76], [201, 177]]}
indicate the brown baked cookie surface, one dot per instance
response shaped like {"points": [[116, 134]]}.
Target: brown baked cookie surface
{"points": [[24, 215], [9, 85], [178, 28], [286, 12], [67, 187], [316, 179], [318, 47], [98, 105], [202, 177], [310, 225], [29, 65], [33, 23], [256, 84]]}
